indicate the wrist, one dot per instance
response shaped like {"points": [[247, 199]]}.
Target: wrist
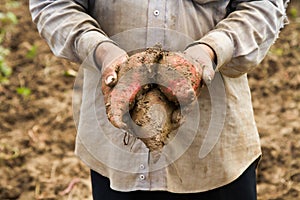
{"points": [[209, 51], [101, 51]]}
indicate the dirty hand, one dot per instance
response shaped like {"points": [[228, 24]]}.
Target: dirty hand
{"points": [[131, 75], [109, 57], [186, 72], [205, 57], [180, 78]]}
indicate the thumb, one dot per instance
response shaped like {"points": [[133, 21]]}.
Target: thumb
{"points": [[110, 77], [110, 72], [208, 75]]}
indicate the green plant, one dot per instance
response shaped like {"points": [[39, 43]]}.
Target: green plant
{"points": [[5, 70], [32, 52], [277, 51], [24, 91], [293, 12], [8, 18]]}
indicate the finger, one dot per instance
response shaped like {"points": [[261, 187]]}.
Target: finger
{"points": [[111, 79], [118, 122], [208, 75], [110, 73]]}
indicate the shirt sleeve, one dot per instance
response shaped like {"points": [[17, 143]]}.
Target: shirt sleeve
{"points": [[67, 28], [243, 38]]}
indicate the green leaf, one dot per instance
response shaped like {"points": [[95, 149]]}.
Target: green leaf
{"points": [[278, 51], [5, 70], [24, 91], [2, 16], [32, 52], [4, 80], [12, 17], [2, 35], [8, 18], [3, 52], [294, 12]]}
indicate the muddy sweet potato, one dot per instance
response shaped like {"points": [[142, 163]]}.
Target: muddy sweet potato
{"points": [[152, 86], [152, 117]]}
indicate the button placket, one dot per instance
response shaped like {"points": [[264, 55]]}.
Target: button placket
{"points": [[142, 172], [156, 23]]}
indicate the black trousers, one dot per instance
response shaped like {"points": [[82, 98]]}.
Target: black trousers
{"points": [[243, 188]]}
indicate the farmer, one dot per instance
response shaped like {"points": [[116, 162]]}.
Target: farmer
{"points": [[228, 37]]}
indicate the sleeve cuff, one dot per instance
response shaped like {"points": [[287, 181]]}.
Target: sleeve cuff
{"points": [[221, 44], [88, 42]]}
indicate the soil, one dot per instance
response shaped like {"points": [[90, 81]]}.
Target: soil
{"points": [[37, 132]]}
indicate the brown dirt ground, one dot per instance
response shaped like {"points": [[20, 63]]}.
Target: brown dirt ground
{"points": [[37, 133]]}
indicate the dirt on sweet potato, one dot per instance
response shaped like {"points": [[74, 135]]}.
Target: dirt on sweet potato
{"points": [[152, 116], [151, 85], [176, 77]]}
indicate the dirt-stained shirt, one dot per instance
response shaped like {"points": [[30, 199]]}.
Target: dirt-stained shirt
{"points": [[218, 139]]}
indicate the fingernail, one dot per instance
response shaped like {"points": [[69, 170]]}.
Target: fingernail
{"points": [[208, 80], [191, 93], [126, 117], [110, 79]]}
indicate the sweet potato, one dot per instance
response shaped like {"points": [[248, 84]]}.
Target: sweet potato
{"points": [[152, 87], [152, 116]]}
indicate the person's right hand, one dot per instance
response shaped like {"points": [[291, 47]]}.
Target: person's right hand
{"points": [[109, 57], [132, 75]]}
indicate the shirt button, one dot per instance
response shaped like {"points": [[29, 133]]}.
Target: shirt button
{"points": [[142, 166], [142, 177], [156, 12]]}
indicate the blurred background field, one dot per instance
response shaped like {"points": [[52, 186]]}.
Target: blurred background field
{"points": [[37, 131]]}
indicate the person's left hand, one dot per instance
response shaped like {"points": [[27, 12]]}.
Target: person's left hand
{"points": [[183, 74], [131, 77]]}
